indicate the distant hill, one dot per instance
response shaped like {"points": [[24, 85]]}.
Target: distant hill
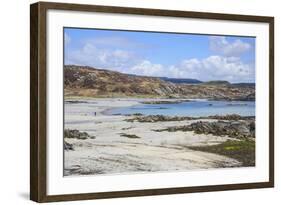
{"points": [[217, 82], [222, 82], [92, 82], [181, 80], [244, 84]]}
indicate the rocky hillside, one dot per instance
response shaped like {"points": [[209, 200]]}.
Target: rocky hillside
{"points": [[91, 82]]}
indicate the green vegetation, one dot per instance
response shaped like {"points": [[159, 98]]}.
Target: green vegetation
{"points": [[242, 150]]}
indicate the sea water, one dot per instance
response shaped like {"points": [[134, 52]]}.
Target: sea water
{"points": [[191, 108]]}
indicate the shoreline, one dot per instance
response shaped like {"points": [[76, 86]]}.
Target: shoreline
{"points": [[156, 98], [126, 102], [130, 102]]}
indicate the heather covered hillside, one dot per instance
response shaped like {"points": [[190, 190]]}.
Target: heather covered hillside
{"points": [[91, 82]]}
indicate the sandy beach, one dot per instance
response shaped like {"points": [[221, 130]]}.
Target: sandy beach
{"points": [[111, 149]]}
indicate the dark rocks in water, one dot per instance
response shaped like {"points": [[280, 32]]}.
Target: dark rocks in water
{"points": [[76, 101], [77, 134], [162, 118], [235, 129], [67, 146], [164, 102], [237, 104], [117, 114], [134, 114], [158, 118], [138, 114]]}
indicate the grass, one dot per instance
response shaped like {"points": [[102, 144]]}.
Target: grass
{"points": [[129, 136], [241, 150]]}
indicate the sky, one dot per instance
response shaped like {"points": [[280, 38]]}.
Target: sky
{"points": [[202, 57]]}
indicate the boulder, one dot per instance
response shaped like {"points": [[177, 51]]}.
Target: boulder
{"points": [[67, 146]]}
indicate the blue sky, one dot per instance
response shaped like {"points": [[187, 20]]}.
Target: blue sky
{"points": [[204, 57]]}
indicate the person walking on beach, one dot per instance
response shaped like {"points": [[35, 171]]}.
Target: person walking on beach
{"points": [[95, 113]]}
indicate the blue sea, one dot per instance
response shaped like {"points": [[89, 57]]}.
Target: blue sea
{"points": [[192, 108]]}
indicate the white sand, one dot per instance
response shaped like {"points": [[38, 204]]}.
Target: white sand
{"points": [[154, 151]]}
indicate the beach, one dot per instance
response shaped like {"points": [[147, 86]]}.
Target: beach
{"points": [[117, 144]]}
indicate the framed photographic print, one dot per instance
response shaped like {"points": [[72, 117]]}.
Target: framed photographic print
{"points": [[134, 102]]}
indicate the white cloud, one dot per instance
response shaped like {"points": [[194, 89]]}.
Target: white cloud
{"points": [[220, 45], [89, 54], [225, 66], [146, 68], [211, 68], [214, 68], [113, 41], [67, 39]]}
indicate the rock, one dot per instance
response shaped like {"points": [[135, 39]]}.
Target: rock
{"points": [[250, 97], [235, 129], [67, 146], [239, 127], [129, 135], [165, 102], [158, 118], [252, 127], [229, 117], [76, 134], [134, 114]]}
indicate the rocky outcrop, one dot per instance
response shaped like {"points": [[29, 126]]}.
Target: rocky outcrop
{"points": [[76, 134], [162, 118], [234, 117], [235, 129], [157, 118]]}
